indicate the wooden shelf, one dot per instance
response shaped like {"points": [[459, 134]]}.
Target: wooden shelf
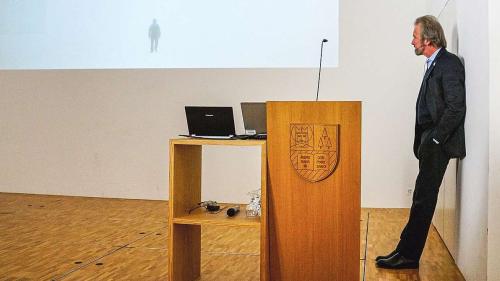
{"points": [[185, 192], [202, 217], [192, 141]]}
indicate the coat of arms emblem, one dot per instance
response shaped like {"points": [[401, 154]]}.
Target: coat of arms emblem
{"points": [[314, 150]]}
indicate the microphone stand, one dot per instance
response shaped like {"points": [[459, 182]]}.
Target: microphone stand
{"points": [[320, 60]]}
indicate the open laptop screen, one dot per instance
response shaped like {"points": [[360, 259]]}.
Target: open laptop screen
{"points": [[254, 117], [210, 121]]}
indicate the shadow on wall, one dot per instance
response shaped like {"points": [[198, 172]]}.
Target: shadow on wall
{"points": [[455, 48], [458, 204], [455, 43]]}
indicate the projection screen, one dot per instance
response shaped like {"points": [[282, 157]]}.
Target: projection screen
{"points": [[103, 34]]}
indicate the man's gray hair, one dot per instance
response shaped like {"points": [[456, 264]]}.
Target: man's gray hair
{"points": [[431, 30]]}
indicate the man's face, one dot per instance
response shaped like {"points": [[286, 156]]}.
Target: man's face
{"points": [[417, 41]]}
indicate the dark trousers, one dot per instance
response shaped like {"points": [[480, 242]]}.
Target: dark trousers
{"points": [[432, 166], [154, 44]]}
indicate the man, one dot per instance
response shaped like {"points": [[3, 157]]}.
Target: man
{"points": [[154, 34], [439, 136]]}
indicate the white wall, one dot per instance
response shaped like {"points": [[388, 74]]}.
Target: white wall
{"points": [[470, 40], [472, 20], [105, 132], [494, 169]]}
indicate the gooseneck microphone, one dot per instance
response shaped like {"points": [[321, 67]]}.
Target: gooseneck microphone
{"points": [[320, 60]]}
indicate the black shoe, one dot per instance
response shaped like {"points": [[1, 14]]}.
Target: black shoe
{"points": [[386, 257], [397, 261]]}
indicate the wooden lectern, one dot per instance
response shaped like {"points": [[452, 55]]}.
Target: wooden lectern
{"points": [[314, 177]]}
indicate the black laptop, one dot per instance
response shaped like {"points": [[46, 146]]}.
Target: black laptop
{"points": [[210, 122]]}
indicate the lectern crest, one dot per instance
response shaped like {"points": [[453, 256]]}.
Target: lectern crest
{"points": [[314, 150]]}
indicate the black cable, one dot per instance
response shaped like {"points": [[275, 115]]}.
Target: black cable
{"points": [[442, 9]]}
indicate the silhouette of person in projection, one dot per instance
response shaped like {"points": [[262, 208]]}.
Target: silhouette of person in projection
{"points": [[154, 35]]}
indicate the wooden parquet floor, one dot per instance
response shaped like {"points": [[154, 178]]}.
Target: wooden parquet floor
{"points": [[73, 238]]}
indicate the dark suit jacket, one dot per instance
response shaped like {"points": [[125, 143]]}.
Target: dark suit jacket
{"points": [[443, 87]]}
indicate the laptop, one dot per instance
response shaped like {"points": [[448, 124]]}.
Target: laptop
{"points": [[210, 122], [254, 119]]}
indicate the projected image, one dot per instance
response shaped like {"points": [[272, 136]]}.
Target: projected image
{"points": [[95, 34]]}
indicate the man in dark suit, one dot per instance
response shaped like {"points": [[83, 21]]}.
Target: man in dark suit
{"points": [[439, 136]]}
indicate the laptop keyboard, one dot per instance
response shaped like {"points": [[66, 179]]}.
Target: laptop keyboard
{"points": [[251, 137]]}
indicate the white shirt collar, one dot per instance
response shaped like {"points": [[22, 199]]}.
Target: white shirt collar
{"points": [[432, 58]]}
